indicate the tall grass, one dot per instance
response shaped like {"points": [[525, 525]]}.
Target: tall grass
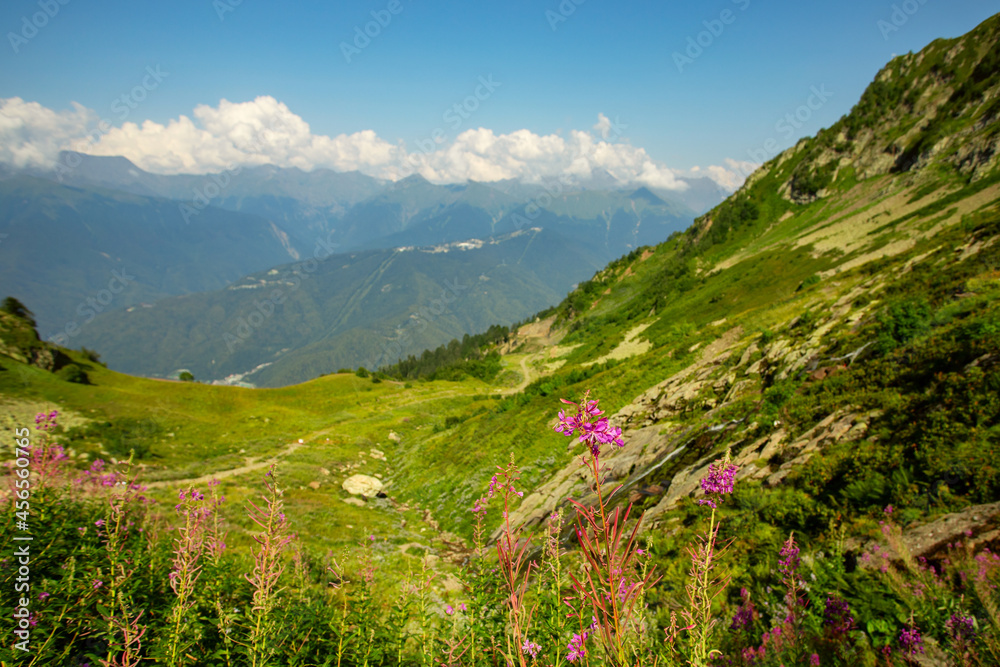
{"points": [[114, 591]]}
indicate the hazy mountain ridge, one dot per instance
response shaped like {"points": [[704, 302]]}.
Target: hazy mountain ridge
{"points": [[345, 310], [65, 244]]}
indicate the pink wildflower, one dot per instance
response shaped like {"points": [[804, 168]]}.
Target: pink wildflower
{"points": [[594, 431], [719, 481]]}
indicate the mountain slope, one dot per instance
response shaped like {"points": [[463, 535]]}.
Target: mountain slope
{"points": [[831, 303], [347, 310], [64, 245], [837, 328]]}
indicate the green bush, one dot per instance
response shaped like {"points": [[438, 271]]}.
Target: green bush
{"points": [[901, 322], [73, 373]]}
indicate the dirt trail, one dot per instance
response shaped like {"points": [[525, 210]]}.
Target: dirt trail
{"points": [[539, 333], [222, 474], [526, 376], [290, 449]]}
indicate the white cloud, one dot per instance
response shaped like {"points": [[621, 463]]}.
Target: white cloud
{"points": [[266, 131], [603, 125], [32, 135], [730, 177]]}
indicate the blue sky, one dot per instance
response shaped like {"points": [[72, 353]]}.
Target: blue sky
{"points": [[554, 75]]}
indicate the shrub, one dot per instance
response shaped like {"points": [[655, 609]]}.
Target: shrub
{"points": [[73, 373], [901, 322]]}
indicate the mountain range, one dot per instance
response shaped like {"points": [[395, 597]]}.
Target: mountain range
{"points": [[832, 329], [94, 218]]}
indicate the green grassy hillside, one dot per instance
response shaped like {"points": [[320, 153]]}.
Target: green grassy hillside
{"points": [[834, 325]]}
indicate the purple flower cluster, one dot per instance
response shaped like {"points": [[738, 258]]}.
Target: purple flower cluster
{"points": [[746, 613], [594, 429], [837, 617], [531, 648], [577, 648], [44, 422], [788, 563], [911, 640], [961, 628], [95, 475], [719, 481]]}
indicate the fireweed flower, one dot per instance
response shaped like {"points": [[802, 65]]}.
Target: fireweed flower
{"points": [[837, 617], [744, 616], [719, 481], [788, 563], [45, 422], [576, 647], [961, 628], [911, 641], [531, 648], [594, 429]]}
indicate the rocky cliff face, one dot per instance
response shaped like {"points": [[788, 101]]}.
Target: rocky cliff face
{"points": [[20, 341]]}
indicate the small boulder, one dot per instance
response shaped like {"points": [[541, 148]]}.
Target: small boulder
{"points": [[362, 485]]}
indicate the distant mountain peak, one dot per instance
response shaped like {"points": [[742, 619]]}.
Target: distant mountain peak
{"points": [[645, 194], [410, 181]]}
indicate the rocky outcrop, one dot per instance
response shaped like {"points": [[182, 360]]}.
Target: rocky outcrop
{"points": [[19, 341], [362, 485]]}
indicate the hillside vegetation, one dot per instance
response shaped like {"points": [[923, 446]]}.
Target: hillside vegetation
{"points": [[817, 356]]}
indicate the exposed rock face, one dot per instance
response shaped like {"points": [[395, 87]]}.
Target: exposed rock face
{"points": [[976, 526], [21, 342], [362, 485], [664, 425]]}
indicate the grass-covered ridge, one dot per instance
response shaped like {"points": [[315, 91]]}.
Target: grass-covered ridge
{"points": [[836, 330]]}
